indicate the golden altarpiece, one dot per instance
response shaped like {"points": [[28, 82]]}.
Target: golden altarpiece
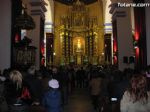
{"points": [[78, 36]]}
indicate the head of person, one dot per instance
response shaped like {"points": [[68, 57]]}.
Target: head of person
{"points": [[138, 88], [31, 70], [39, 74], [16, 77], [95, 73], [53, 83], [54, 70]]}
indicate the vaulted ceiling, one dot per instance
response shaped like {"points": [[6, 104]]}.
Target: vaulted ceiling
{"points": [[70, 2]]}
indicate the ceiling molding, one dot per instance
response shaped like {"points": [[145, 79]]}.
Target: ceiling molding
{"points": [[38, 8], [70, 2]]}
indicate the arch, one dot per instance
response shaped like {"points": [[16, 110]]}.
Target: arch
{"points": [[49, 18], [107, 16]]}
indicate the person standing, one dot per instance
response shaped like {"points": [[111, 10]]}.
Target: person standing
{"points": [[136, 98], [95, 87], [52, 100], [34, 83], [3, 103]]}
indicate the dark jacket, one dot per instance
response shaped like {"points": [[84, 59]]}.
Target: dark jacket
{"points": [[12, 93], [3, 103], [35, 87], [52, 101]]}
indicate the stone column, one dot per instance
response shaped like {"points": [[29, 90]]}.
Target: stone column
{"points": [[122, 16], [147, 16], [37, 12]]}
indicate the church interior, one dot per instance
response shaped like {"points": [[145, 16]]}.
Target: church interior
{"points": [[74, 41], [78, 32]]}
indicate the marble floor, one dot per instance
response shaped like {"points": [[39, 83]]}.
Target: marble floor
{"points": [[79, 101]]}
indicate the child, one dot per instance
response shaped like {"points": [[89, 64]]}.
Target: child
{"points": [[52, 98]]}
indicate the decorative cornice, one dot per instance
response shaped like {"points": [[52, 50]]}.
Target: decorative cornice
{"points": [[70, 2], [108, 24], [112, 6], [35, 3], [116, 11], [118, 14], [37, 12], [48, 23], [38, 8]]}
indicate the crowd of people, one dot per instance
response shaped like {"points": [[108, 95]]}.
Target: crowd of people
{"points": [[111, 90]]}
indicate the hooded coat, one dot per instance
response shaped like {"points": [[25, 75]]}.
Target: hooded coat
{"points": [[52, 101]]}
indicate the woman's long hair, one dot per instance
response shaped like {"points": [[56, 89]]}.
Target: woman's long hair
{"points": [[138, 88], [16, 77]]}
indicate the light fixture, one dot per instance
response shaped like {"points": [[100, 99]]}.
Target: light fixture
{"points": [[102, 53], [135, 44]]}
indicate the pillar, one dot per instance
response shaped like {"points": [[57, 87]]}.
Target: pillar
{"points": [[147, 16], [122, 34], [37, 13]]}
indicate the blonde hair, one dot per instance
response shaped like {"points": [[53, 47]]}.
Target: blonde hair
{"points": [[16, 77]]}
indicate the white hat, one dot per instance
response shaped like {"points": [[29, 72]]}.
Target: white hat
{"points": [[53, 83]]}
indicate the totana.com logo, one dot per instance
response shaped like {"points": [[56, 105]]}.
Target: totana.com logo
{"points": [[133, 4]]}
